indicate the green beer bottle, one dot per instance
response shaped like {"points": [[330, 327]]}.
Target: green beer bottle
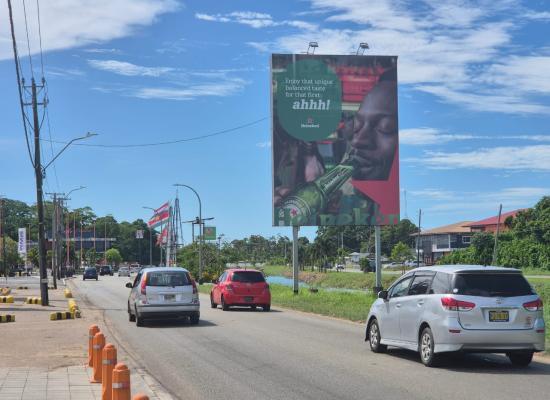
{"points": [[312, 198]]}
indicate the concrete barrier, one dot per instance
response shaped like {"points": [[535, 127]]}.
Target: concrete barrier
{"points": [[5, 291], [6, 299], [57, 316], [33, 300], [22, 287], [68, 293], [7, 318]]}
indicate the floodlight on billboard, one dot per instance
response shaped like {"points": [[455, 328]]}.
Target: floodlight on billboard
{"points": [[334, 140]]}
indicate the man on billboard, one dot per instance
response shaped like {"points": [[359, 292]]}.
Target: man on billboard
{"points": [[351, 176]]}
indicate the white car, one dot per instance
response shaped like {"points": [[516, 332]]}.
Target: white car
{"points": [[163, 292], [124, 271], [466, 308]]}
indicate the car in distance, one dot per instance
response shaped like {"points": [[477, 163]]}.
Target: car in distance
{"points": [[459, 308], [89, 273], [241, 287], [163, 292], [105, 270], [124, 271]]}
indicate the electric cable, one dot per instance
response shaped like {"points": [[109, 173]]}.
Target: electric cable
{"points": [[28, 40]]}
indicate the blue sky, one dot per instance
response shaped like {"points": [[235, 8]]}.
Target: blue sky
{"points": [[474, 103]]}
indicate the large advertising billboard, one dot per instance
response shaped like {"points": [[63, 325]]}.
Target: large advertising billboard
{"points": [[334, 140]]}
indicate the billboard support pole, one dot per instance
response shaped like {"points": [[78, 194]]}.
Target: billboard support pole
{"points": [[378, 284], [295, 230]]}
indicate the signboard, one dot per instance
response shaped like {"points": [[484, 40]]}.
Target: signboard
{"points": [[209, 233], [139, 234], [334, 140], [22, 241]]}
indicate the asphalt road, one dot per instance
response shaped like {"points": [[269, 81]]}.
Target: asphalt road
{"points": [[282, 354]]}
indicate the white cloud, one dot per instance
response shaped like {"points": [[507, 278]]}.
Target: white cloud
{"points": [[526, 158], [264, 145], [73, 23], [521, 74], [128, 69], [423, 136], [217, 89], [434, 194], [254, 19], [537, 15], [101, 51]]}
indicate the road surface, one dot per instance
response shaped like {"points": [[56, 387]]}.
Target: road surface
{"points": [[283, 354]]}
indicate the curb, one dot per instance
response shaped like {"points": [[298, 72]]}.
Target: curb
{"points": [[57, 316], [7, 318], [6, 299]]}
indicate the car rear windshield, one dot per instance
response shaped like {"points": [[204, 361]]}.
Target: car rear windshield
{"points": [[492, 285], [248, 277], [169, 278]]}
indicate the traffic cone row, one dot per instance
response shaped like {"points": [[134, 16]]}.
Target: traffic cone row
{"points": [[114, 377]]}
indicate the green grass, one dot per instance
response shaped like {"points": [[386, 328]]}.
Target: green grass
{"points": [[535, 271], [350, 306]]}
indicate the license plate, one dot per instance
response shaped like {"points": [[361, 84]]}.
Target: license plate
{"points": [[169, 297], [248, 299], [499, 316]]}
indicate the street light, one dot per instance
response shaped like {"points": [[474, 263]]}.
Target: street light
{"points": [[200, 227], [150, 238], [74, 190], [362, 47], [88, 135]]}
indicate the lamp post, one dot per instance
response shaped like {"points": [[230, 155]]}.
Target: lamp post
{"points": [[150, 238], [200, 228]]}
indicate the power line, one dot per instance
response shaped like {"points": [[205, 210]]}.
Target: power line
{"points": [[236, 128], [19, 84], [28, 41], [40, 37]]}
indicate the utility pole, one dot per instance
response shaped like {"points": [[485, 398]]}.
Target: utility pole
{"points": [[378, 259], [54, 241], [418, 239], [295, 230], [495, 249], [3, 237]]}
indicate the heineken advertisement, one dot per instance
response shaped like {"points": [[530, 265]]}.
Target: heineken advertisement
{"points": [[334, 140], [209, 232]]}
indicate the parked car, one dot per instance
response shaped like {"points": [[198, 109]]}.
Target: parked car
{"points": [[124, 271], [90, 273], [466, 308], [106, 270], [241, 287], [163, 292], [339, 267]]}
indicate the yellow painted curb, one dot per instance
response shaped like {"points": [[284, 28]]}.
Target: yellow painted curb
{"points": [[7, 318], [34, 300], [6, 299], [56, 316]]}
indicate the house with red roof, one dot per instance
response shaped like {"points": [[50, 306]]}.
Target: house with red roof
{"points": [[490, 224]]}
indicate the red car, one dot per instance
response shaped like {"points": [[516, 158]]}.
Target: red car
{"points": [[241, 287]]}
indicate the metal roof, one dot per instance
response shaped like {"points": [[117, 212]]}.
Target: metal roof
{"points": [[462, 268], [493, 220]]}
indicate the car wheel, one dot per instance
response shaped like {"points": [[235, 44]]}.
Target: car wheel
{"points": [[252, 307], [96, 279], [83, 278], [194, 319], [374, 338], [131, 317], [212, 304], [427, 355], [225, 307], [521, 359], [139, 320], [267, 307]]}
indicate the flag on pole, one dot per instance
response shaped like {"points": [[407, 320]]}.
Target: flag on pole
{"points": [[161, 214], [161, 239]]}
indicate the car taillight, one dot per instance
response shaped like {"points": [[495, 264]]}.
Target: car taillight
{"points": [[229, 288], [451, 304], [194, 286], [535, 305], [144, 285]]}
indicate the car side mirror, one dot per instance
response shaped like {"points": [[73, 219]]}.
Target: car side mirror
{"points": [[129, 285], [383, 294]]}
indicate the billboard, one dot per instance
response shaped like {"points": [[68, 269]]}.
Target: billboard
{"points": [[22, 241], [209, 233], [334, 140]]}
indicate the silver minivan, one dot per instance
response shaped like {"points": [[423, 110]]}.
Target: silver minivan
{"points": [[163, 292], [451, 308]]}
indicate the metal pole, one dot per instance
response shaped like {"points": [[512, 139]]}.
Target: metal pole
{"points": [[418, 239], [54, 241], [495, 249], [3, 237], [295, 230], [150, 246], [38, 172], [378, 261]]}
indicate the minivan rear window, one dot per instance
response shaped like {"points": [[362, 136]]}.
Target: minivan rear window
{"points": [[248, 277], [492, 285], [168, 278]]}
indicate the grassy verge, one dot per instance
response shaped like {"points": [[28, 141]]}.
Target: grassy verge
{"points": [[351, 306], [542, 286], [535, 271]]}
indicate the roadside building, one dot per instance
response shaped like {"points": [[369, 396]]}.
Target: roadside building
{"points": [[490, 224], [437, 242]]}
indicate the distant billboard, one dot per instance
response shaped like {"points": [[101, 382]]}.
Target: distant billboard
{"points": [[209, 233], [334, 140]]}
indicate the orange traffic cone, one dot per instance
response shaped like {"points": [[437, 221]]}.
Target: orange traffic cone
{"points": [[121, 382], [98, 344], [108, 364], [91, 332]]}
